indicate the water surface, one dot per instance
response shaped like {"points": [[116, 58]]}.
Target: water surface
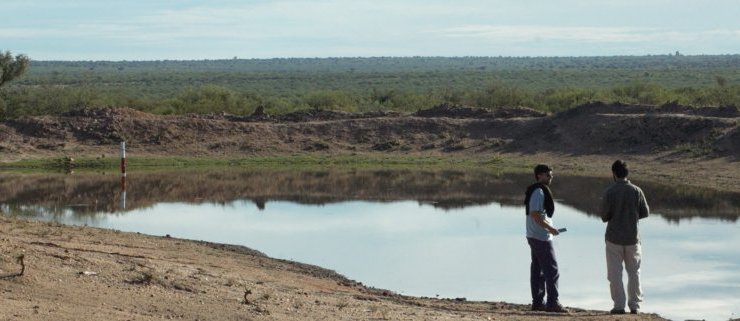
{"points": [[424, 233]]}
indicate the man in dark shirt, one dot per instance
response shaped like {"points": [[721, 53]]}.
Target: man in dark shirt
{"points": [[622, 206]]}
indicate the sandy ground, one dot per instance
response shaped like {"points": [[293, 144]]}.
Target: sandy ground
{"points": [[83, 273]]}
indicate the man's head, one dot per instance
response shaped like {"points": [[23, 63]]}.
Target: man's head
{"points": [[619, 169], [543, 174]]}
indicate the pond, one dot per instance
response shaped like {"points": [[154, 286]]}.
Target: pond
{"points": [[425, 233]]}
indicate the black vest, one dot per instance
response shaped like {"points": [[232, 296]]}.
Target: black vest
{"points": [[549, 203]]}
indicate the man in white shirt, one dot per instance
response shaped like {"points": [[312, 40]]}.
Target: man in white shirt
{"points": [[544, 273]]}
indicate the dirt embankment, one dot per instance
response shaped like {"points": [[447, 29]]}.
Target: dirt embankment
{"points": [[593, 129]]}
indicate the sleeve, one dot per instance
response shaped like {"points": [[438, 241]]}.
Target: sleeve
{"points": [[644, 209], [605, 208], [537, 201]]}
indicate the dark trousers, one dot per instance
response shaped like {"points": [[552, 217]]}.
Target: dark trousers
{"points": [[544, 273]]}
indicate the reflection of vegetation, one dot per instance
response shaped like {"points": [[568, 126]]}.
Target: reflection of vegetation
{"points": [[91, 194], [672, 202], [679, 202]]}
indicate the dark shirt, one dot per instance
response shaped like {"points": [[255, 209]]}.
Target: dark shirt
{"points": [[622, 206]]}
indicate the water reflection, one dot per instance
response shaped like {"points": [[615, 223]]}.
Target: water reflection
{"points": [[91, 194], [416, 232]]}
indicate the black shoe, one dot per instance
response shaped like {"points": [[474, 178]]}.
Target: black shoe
{"points": [[539, 307], [556, 308], [635, 311], [617, 311]]}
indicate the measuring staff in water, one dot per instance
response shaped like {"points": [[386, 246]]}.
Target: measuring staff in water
{"points": [[544, 275]]}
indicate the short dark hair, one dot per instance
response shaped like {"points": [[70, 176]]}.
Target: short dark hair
{"points": [[542, 169], [619, 168]]}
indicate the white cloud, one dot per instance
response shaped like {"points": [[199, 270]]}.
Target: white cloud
{"points": [[263, 20], [25, 33], [276, 28], [515, 33]]}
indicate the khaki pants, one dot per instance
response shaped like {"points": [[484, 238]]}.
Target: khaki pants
{"points": [[631, 256]]}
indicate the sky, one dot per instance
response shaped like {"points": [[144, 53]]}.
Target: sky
{"points": [[223, 29]]}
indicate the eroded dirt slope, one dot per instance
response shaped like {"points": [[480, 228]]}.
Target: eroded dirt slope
{"points": [[596, 128]]}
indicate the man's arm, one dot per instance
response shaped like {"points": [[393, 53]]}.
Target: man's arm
{"points": [[538, 218], [605, 209], [644, 209]]}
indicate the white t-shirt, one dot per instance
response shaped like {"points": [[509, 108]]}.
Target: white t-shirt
{"points": [[537, 203]]}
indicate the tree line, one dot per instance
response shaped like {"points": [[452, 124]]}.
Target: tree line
{"points": [[239, 86]]}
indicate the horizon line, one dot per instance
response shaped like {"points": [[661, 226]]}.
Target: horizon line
{"points": [[377, 57]]}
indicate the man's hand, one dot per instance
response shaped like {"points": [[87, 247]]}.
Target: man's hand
{"points": [[553, 231]]}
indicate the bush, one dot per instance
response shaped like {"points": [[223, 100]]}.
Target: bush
{"points": [[2, 109], [497, 95], [371, 84], [210, 98], [327, 99], [556, 100], [642, 93]]}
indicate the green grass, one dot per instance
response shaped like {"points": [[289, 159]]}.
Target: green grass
{"points": [[498, 164]]}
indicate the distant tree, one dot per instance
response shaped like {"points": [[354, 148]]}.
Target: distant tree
{"points": [[328, 99], [721, 81], [12, 67]]}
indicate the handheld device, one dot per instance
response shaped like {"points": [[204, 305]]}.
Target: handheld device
{"points": [[561, 230]]}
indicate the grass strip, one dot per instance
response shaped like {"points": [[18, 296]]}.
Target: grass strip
{"points": [[298, 161]]}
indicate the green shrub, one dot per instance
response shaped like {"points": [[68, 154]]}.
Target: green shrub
{"points": [[330, 99], [371, 84], [497, 95], [556, 100], [211, 98]]}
